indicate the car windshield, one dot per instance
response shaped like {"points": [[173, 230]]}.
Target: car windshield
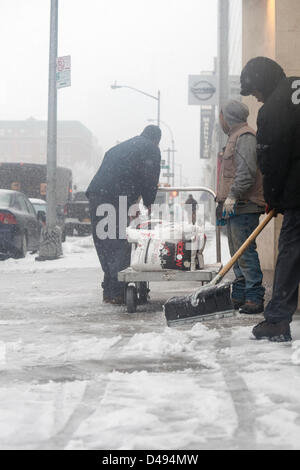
{"points": [[4, 199]]}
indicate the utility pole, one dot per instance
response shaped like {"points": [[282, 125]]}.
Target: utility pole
{"points": [[173, 150], [50, 246], [223, 61], [158, 108], [173, 162], [223, 82], [169, 164]]}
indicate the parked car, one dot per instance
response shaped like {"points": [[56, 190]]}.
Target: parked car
{"points": [[19, 226], [78, 215], [41, 206]]}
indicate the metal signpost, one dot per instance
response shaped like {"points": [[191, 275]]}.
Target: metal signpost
{"points": [[59, 76]]}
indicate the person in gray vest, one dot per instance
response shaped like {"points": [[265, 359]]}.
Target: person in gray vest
{"points": [[240, 204]]}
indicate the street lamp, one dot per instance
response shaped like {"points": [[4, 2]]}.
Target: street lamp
{"points": [[173, 146], [157, 98]]}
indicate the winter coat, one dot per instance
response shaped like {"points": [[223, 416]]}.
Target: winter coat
{"points": [[130, 169], [278, 147], [239, 176], [193, 202]]}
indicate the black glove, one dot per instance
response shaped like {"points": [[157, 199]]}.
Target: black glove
{"points": [[219, 212]]}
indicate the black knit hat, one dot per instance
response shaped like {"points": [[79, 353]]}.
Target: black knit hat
{"points": [[153, 133], [261, 74]]}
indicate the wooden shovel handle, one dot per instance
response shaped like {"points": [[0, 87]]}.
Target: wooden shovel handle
{"points": [[245, 245]]}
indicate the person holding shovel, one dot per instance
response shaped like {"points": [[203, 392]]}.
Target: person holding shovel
{"points": [[278, 150], [240, 204]]}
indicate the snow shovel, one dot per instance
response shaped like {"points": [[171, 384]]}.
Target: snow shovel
{"points": [[211, 300]]}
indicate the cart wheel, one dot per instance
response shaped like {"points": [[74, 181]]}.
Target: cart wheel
{"points": [[131, 299], [143, 292]]}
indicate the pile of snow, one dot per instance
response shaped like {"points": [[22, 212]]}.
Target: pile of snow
{"points": [[78, 252], [60, 350], [172, 343]]}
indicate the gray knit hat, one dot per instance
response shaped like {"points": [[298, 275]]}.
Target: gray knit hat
{"points": [[235, 112]]}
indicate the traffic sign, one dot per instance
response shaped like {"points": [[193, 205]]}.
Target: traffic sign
{"points": [[165, 167], [63, 71], [168, 175]]}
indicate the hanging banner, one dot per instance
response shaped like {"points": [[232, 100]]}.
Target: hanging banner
{"points": [[207, 126]]}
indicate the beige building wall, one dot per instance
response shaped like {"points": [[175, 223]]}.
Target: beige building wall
{"points": [[271, 28]]}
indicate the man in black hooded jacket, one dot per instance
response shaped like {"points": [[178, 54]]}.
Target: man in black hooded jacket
{"points": [[278, 151], [128, 172]]}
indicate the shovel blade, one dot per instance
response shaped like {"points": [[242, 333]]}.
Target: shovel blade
{"points": [[212, 302]]}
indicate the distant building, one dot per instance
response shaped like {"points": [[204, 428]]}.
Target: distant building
{"points": [[26, 141]]}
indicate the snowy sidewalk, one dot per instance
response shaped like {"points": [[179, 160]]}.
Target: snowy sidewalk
{"points": [[77, 374]]}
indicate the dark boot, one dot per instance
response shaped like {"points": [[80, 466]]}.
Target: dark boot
{"points": [[237, 303], [251, 308], [277, 332], [119, 300]]}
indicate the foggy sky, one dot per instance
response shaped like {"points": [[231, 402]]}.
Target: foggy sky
{"points": [[148, 45]]}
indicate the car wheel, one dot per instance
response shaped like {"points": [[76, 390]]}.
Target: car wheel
{"points": [[22, 252]]}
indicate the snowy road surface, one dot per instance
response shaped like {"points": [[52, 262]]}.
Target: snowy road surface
{"points": [[77, 374]]}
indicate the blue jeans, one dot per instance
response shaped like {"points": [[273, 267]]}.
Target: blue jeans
{"points": [[248, 283]]}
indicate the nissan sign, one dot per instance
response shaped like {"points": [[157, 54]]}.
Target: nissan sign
{"points": [[203, 89]]}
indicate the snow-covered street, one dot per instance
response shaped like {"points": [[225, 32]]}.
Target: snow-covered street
{"points": [[78, 374]]}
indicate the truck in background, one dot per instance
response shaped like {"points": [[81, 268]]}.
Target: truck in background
{"points": [[78, 215], [31, 179]]}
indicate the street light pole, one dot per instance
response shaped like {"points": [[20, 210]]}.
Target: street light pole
{"points": [[157, 98], [158, 108], [172, 147]]}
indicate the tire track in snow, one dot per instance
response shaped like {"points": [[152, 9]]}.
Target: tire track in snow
{"points": [[92, 397], [90, 402], [242, 398]]}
